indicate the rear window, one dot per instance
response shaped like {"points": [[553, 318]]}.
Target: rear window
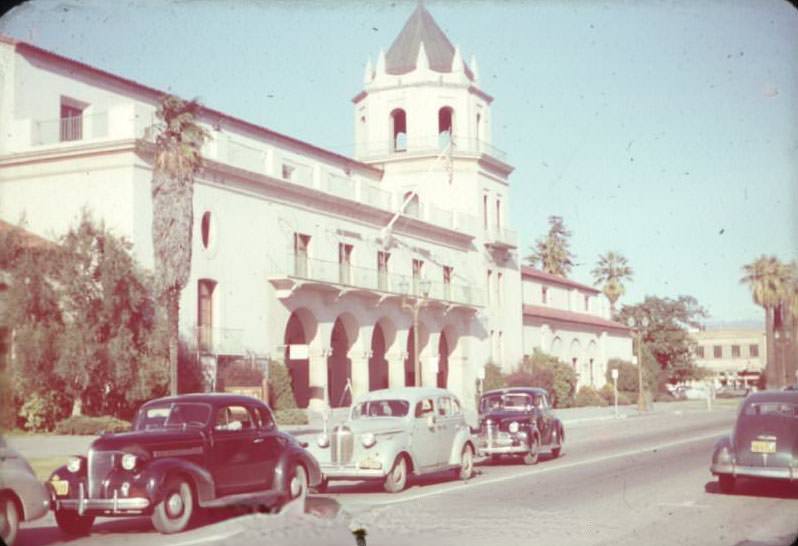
{"points": [[785, 409]]}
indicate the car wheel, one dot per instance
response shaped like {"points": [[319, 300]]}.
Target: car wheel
{"points": [[466, 469], [556, 443], [726, 482], [298, 486], [531, 457], [9, 520], [72, 523], [396, 479], [174, 512]]}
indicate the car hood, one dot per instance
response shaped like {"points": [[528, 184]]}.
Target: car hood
{"points": [[377, 425], [148, 440], [502, 415]]}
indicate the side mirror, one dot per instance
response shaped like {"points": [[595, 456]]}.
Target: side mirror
{"points": [[430, 421]]}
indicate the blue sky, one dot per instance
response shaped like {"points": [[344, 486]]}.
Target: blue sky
{"points": [[666, 131]]}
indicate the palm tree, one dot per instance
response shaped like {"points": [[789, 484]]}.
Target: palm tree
{"points": [[552, 252], [769, 280], [611, 271], [791, 305], [177, 159]]}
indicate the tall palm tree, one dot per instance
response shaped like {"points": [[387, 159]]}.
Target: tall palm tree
{"points": [[611, 271], [769, 280], [177, 159], [791, 305], [552, 252]]}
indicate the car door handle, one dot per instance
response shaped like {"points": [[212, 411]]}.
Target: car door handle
{"points": [[257, 440]]}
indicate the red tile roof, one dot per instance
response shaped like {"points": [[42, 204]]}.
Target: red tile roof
{"points": [[548, 313], [209, 113], [531, 272]]}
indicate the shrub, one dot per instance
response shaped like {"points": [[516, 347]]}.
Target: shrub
{"points": [[291, 417], [242, 373], [627, 374], [9, 407], [40, 412], [607, 394], [494, 377], [664, 397], [545, 371], [588, 396], [82, 424], [281, 392]]}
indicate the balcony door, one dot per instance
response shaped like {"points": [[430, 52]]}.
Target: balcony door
{"points": [[301, 245]]}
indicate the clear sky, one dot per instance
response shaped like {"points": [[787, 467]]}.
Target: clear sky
{"points": [[666, 131]]}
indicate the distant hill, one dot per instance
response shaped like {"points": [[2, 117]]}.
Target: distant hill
{"points": [[734, 325]]}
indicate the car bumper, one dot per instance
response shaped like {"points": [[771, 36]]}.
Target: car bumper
{"points": [[778, 473], [502, 443], [113, 506], [351, 472]]}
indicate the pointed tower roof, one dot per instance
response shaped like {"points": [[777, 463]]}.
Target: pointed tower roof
{"points": [[421, 27]]}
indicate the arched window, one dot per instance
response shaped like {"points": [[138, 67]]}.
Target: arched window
{"points": [[398, 130], [445, 126], [205, 289], [206, 229]]}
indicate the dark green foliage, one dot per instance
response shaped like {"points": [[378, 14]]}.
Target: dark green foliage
{"points": [[627, 375], [281, 394], [588, 396], [82, 424], [40, 411], [543, 370], [624, 398], [291, 417], [551, 254], [242, 373], [190, 376], [494, 377], [666, 335]]}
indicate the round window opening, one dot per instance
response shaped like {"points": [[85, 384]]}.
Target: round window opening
{"points": [[205, 229]]}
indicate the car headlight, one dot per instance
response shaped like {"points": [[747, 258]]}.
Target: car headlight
{"points": [[323, 441], [368, 439], [513, 427], [73, 464], [129, 461]]}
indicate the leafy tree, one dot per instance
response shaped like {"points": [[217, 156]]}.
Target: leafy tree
{"points": [[177, 160], [546, 371], [770, 281], [667, 335], [494, 377], [552, 252], [610, 273], [108, 313]]}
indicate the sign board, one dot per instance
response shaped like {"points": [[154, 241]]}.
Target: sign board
{"points": [[298, 352], [614, 372]]}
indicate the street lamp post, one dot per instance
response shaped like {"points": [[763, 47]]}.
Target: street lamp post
{"points": [[424, 286], [636, 326]]}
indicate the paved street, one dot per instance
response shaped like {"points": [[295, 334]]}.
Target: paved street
{"points": [[628, 481]]}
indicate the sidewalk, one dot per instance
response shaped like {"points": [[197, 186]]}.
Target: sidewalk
{"points": [[53, 445]]}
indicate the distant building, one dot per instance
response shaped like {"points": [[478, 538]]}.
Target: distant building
{"points": [[735, 357]]}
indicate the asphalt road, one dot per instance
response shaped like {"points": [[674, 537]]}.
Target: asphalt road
{"points": [[635, 481]]}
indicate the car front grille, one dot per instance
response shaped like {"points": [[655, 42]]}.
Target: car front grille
{"points": [[100, 465], [342, 443]]}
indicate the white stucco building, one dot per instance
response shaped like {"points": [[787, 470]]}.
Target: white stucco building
{"points": [[291, 247], [734, 356]]}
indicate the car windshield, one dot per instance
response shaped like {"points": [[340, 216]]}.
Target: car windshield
{"points": [[173, 415], [784, 409], [512, 402], [381, 408]]}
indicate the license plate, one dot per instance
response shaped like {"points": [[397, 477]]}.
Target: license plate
{"points": [[760, 446], [60, 487]]}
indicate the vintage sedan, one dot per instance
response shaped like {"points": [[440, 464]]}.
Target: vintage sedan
{"points": [[22, 496], [763, 443], [518, 421], [185, 453], [393, 433]]}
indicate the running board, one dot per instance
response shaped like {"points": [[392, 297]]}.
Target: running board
{"points": [[254, 498]]}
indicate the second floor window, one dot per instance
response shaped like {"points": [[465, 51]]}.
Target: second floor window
{"points": [[301, 245], [499, 288], [418, 265], [699, 352], [205, 288], [753, 350], [382, 270], [447, 282], [544, 295], [717, 351], [735, 351], [587, 303], [71, 123], [344, 263]]}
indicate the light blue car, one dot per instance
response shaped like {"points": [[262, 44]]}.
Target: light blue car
{"points": [[22, 496]]}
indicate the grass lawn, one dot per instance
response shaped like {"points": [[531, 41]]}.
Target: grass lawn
{"points": [[43, 466]]}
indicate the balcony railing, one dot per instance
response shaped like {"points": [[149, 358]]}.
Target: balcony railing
{"points": [[220, 341], [69, 129], [505, 237], [427, 145], [347, 275]]}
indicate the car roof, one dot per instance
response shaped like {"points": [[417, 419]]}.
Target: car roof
{"points": [[405, 393], [212, 398], [772, 396], [519, 390]]}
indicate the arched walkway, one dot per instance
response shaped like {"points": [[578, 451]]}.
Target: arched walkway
{"points": [[443, 361], [339, 366], [298, 330], [410, 371], [378, 365]]}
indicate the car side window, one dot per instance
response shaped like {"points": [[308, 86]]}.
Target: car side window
{"points": [[444, 406], [233, 419], [424, 408], [265, 418], [456, 409]]}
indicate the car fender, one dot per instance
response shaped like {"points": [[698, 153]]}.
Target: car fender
{"points": [[155, 473], [390, 451], [30, 494], [74, 479], [290, 456], [726, 442], [461, 438]]}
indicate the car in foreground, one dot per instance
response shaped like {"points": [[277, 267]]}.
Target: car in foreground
{"points": [[22, 496], [518, 421], [763, 443], [185, 453], [393, 433]]}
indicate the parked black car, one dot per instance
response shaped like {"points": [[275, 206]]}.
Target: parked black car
{"points": [[185, 453], [763, 443], [518, 421]]}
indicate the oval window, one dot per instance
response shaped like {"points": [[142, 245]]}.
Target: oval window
{"points": [[205, 229]]}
